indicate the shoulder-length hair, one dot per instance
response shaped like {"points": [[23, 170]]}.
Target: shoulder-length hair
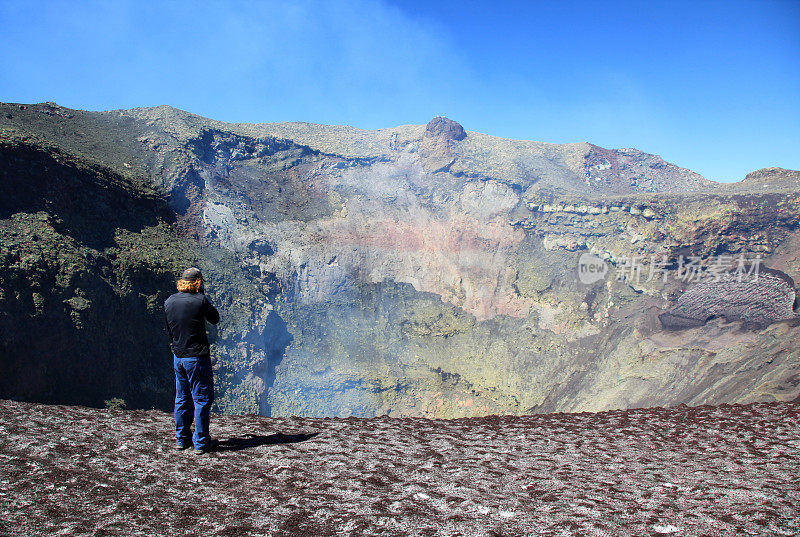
{"points": [[186, 286]]}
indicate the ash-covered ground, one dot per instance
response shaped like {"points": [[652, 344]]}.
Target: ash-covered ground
{"points": [[726, 470]]}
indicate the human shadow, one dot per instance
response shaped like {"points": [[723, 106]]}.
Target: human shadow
{"points": [[274, 339], [252, 440]]}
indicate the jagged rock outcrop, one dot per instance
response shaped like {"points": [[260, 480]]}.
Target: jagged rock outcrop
{"points": [[405, 271], [437, 147], [445, 128], [623, 171]]}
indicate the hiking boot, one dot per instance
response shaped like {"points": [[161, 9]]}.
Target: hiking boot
{"points": [[180, 446], [212, 446]]}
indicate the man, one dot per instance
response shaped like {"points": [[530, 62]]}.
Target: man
{"points": [[186, 313]]}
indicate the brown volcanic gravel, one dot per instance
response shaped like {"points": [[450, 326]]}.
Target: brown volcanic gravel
{"points": [[727, 470]]}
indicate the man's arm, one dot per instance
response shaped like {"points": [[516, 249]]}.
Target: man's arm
{"points": [[212, 315], [169, 331]]}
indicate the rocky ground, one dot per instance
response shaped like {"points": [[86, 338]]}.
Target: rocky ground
{"points": [[726, 470]]}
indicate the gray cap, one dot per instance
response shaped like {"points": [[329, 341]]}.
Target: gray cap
{"points": [[191, 274]]}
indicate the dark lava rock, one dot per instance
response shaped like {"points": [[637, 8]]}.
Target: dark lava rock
{"points": [[726, 470], [759, 299], [446, 128]]}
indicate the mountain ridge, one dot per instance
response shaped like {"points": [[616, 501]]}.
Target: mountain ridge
{"points": [[300, 131], [430, 273]]}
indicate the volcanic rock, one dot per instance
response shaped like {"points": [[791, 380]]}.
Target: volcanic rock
{"points": [[772, 178], [760, 298], [726, 470], [408, 271], [437, 146], [445, 128]]}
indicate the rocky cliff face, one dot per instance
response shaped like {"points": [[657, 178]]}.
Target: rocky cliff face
{"points": [[418, 270]]}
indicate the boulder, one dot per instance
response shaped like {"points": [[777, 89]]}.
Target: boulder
{"points": [[446, 128]]}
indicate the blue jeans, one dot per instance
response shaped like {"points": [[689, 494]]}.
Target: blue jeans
{"points": [[194, 393]]}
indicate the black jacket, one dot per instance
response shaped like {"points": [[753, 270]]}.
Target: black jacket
{"points": [[186, 314]]}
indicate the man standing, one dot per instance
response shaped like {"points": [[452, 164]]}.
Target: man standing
{"points": [[186, 313]]}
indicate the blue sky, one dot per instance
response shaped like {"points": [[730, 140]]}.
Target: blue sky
{"points": [[711, 86]]}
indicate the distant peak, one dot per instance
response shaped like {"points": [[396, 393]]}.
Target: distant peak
{"points": [[441, 126], [770, 175]]}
